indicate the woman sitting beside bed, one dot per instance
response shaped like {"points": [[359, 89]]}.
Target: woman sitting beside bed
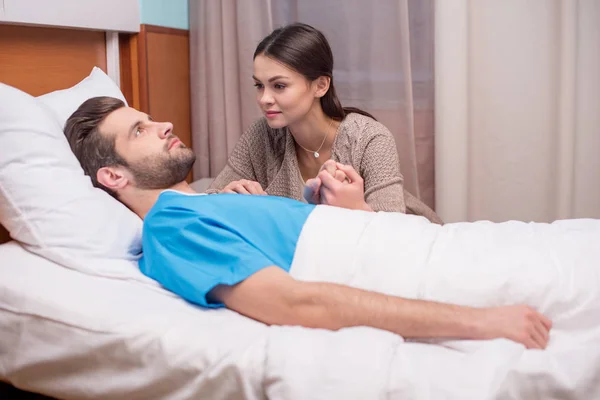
{"points": [[304, 126]]}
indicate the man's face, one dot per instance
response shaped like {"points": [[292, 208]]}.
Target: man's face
{"points": [[155, 157]]}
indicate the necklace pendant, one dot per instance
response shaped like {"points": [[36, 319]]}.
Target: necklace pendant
{"points": [[316, 154]]}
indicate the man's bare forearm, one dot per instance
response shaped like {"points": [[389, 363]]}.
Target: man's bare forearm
{"points": [[333, 306], [273, 297]]}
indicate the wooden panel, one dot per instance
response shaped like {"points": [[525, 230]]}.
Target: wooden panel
{"points": [[168, 78], [39, 60]]}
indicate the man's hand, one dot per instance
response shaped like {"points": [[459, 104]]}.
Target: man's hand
{"points": [[244, 186], [312, 191], [520, 323], [350, 195], [312, 188]]}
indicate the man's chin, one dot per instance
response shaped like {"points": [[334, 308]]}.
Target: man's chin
{"points": [[182, 152], [164, 171]]}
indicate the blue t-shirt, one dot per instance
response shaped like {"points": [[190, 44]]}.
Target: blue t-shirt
{"points": [[192, 243]]}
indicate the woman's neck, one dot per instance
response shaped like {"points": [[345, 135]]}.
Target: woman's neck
{"points": [[315, 132], [314, 137]]}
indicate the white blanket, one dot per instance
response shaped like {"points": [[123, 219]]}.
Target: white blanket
{"points": [[77, 336], [552, 267]]}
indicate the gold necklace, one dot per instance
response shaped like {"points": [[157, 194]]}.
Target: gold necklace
{"points": [[316, 152]]}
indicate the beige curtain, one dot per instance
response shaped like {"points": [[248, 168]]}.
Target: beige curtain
{"points": [[383, 53], [517, 109], [223, 36]]}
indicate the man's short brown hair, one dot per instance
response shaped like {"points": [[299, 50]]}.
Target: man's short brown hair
{"points": [[92, 149]]}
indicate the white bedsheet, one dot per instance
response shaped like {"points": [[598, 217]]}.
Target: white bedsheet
{"points": [[71, 335]]}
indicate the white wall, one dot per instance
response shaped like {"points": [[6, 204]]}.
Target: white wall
{"points": [[106, 15]]}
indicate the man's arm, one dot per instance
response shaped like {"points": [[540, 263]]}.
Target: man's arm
{"points": [[274, 297]]}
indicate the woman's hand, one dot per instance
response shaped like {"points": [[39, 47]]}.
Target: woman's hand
{"points": [[244, 186], [331, 167], [349, 195]]}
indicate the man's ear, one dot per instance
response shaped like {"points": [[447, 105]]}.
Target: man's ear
{"points": [[322, 85], [113, 178]]}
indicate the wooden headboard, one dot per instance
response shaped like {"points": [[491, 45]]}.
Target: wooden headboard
{"points": [[39, 60]]}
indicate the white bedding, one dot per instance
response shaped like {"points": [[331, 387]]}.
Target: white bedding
{"points": [[71, 335], [552, 267]]}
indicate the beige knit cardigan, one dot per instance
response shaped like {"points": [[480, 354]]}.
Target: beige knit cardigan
{"points": [[268, 156]]}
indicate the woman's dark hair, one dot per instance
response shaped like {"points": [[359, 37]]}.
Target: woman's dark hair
{"points": [[306, 50]]}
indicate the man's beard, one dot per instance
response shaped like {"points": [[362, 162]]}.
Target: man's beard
{"points": [[162, 171]]}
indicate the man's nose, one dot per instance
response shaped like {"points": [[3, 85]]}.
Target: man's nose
{"points": [[165, 129]]}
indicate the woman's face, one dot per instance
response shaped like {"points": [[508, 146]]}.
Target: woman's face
{"points": [[283, 95]]}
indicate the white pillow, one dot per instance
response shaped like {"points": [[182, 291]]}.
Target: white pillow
{"points": [[46, 201], [64, 102]]}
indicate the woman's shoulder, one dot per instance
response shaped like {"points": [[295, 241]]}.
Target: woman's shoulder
{"points": [[257, 129], [356, 131], [361, 137], [358, 126]]}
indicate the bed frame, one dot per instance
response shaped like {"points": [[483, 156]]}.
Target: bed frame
{"points": [[39, 59]]}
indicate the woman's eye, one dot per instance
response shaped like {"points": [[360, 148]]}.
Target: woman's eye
{"points": [[279, 86], [258, 85], [138, 132]]}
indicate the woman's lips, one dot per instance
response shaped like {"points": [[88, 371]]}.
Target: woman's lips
{"points": [[272, 114]]}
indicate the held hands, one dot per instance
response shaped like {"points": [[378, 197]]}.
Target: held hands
{"points": [[519, 323], [312, 188], [337, 185], [244, 186]]}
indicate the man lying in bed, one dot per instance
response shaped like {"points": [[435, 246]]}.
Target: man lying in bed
{"points": [[236, 250]]}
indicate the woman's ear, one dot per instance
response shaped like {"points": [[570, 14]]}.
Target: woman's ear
{"points": [[113, 178], [322, 85]]}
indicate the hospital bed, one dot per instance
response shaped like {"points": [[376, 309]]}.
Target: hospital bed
{"points": [[78, 323]]}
